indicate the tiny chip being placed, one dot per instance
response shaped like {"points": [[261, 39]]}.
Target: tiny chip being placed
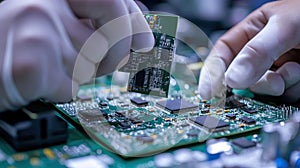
{"points": [[149, 72], [176, 105], [247, 120], [243, 143], [211, 123], [139, 101]]}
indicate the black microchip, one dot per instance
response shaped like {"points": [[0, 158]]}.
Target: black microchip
{"points": [[109, 98], [247, 120], [243, 143], [139, 101], [103, 104], [231, 116], [250, 111], [136, 121], [211, 123], [119, 114], [231, 102], [204, 111], [125, 125], [177, 105]]}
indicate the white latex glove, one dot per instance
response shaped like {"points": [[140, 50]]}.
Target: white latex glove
{"points": [[40, 42], [245, 54]]}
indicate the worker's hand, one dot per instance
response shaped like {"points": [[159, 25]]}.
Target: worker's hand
{"points": [[268, 36], [41, 44]]}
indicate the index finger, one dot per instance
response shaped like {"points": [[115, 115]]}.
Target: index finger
{"points": [[231, 43], [224, 51], [251, 47]]}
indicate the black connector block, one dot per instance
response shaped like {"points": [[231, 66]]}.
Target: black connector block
{"points": [[32, 127]]}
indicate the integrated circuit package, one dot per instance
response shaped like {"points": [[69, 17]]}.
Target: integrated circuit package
{"points": [[176, 105], [211, 123]]}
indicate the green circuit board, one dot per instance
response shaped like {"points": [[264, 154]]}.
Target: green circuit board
{"points": [[107, 139], [134, 125], [135, 120]]}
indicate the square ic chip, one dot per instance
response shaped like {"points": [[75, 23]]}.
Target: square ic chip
{"points": [[231, 116], [250, 111], [243, 143], [212, 124], [176, 105], [139, 101], [247, 120]]}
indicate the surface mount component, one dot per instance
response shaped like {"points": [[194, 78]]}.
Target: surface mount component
{"points": [[243, 143], [212, 124], [231, 116], [247, 120], [139, 101], [176, 105]]}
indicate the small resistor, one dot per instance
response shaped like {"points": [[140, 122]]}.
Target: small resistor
{"points": [[49, 153], [167, 119], [219, 111], [226, 111]]}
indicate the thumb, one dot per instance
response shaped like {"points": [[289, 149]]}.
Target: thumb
{"points": [[211, 83]]}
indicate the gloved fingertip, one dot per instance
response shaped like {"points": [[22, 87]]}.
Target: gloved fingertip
{"points": [[240, 74], [205, 94], [141, 6], [270, 84], [231, 80], [142, 36], [204, 87], [143, 42]]}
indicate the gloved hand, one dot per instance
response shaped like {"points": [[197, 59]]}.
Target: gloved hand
{"points": [[41, 43], [260, 53]]}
